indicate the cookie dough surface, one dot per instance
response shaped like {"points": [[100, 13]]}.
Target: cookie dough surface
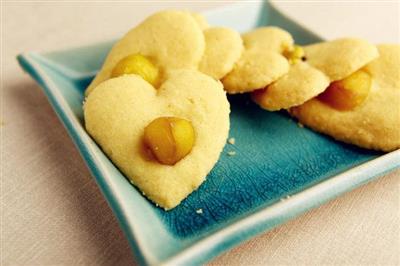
{"points": [[261, 62], [223, 48], [201, 21], [374, 124], [325, 63], [255, 70], [339, 58], [170, 39], [300, 84], [268, 38], [117, 112]]}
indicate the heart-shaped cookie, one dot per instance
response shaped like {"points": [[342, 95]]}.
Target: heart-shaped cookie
{"points": [[119, 109], [375, 124], [170, 39], [262, 61], [223, 49], [325, 62]]}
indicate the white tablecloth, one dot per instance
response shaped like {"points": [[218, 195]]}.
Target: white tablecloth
{"points": [[52, 211]]}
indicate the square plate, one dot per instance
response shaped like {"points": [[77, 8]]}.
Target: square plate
{"points": [[280, 170]]}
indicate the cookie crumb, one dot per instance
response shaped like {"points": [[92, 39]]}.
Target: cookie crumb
{"points": [[231, 141], [199, 211], [287, 197], [300, 124], [231, 153]]}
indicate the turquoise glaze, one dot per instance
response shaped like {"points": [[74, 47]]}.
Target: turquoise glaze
{"points": [[244, 194]]}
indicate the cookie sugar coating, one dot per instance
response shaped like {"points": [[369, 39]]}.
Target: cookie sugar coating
{"points": [[373, 125], [170, 39], [223, 48], [261, 62], [117, 112], [325, 63]]}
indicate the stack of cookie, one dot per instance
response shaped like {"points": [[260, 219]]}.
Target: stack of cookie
{"points": [[158, 106]]}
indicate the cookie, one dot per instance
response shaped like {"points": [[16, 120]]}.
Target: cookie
{"points": [[324, 63], [223, 48], [268, 38], [201, 21], [300, 84], [374, 124], [262, 62], [171, 39], [339, 58], [119, 109]]}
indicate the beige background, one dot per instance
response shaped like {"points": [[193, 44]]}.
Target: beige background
{"points": [[52, 211]]}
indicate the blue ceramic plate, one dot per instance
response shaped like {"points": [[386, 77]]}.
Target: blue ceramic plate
{"points": [[280, 170]]}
